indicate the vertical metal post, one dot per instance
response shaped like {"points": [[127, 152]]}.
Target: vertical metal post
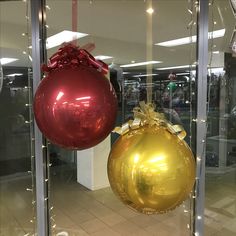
{"points": [[38, 15], [201, 116]]}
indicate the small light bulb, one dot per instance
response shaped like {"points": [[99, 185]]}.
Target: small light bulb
{"points": [[150, 10], [190, 11]]}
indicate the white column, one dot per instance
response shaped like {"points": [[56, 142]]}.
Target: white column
{"points": [[92, 166]]}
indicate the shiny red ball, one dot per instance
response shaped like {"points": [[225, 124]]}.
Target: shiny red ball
{"points": [[75, 108]]}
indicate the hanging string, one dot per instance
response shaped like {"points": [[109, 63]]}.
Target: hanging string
{"points": [[31, 125], [149, 46], [192, 9], [74, 10]]}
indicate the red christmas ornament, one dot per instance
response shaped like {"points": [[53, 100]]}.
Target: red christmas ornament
{"points": [[75, 106]]}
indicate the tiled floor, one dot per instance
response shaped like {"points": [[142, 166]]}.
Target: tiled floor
{"points": [[78, 211]]}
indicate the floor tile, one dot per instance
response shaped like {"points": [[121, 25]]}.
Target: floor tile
{"points": [[93, 226], [112, 219], [143, 220], [223, 232], [128, 228], [127, 212], [105, 232]]}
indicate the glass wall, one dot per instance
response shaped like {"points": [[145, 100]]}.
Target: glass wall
{"points": [[220, 146], [161, 36], [126, 33], [17, 198]]}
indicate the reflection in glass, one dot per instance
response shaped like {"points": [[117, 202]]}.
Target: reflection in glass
{"points": [[17, 192], [220, 197], [117, 30]]}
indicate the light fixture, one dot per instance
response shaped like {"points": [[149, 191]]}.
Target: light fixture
{"points": [[150, 10], [14, 74], [63, 37], [216, 70], [141, 63], [102, 57], [193, 39], [144, 75], [216, 52], [175, 67], [184, 73], [125, 73], [6, 60]]}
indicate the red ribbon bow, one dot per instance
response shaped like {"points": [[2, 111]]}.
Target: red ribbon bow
{"points": [[71, 55]]}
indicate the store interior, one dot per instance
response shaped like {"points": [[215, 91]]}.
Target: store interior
{"points": [[121, 33]]}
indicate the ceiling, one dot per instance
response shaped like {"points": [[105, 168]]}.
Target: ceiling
{"points": [[119, 29]]}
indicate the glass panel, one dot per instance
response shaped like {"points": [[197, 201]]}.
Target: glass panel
{"points": [[17, 193], [221, 137], [125, 32]]}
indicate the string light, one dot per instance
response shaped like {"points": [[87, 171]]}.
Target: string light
{"points": [[150, 10], [190, 11]]}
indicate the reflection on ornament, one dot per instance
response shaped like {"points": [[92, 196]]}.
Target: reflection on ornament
{"points": [[75, 105], [75, 108], [151, 169]]}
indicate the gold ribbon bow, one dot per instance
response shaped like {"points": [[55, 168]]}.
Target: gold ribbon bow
{"points": [[145, 114]]}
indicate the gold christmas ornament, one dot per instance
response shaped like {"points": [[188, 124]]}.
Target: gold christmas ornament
{"points": [[150, 167]]}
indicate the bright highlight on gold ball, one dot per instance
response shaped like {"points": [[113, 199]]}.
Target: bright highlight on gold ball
{"points": [[151, 170]]}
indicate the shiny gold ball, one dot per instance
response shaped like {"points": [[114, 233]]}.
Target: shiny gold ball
{"points": [[151, 170]]}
